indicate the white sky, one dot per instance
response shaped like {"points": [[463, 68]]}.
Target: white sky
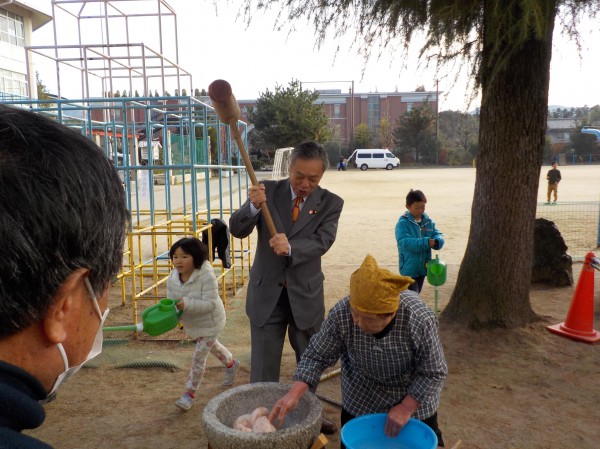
{"points": [[218, 44]]}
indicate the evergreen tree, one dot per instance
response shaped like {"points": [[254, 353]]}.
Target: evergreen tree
{"points": [[415, 135], [288, 116]]}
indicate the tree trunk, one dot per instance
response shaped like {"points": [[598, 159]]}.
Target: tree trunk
{"points": [[492, 289]]}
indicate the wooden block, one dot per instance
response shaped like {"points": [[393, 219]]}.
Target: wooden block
{"points": [[320, 442]]}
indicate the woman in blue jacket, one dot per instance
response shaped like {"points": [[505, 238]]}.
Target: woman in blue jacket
{"points": [[416, 235]]}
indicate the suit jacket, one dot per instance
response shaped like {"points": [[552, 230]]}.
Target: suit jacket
{"points": [[310, 237]]}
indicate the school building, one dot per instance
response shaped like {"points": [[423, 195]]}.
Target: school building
{"points": [[18, 20], [348, 110]]}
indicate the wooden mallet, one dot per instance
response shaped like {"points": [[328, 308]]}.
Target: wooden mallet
{"points": [[228, 110]]}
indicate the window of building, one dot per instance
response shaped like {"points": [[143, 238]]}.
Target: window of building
{"points": [[373, 112], [13, 83], [337, 113], [409, 107], [11, 28]]}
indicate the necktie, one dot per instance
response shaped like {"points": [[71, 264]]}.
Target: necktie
{"points": [[296, 209]]}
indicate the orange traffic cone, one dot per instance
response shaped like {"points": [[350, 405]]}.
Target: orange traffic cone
{"points": [[579, 324]]}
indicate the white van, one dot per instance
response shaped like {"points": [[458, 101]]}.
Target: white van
{"points": [[375, 158]]}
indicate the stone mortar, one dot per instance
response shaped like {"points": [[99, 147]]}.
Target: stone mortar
{"points": [[299, 429]]}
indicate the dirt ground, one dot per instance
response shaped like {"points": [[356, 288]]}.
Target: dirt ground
{"points": [[506, 389]]}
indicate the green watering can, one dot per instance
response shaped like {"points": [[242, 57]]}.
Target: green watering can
{"points": [[436, 271], [436, 276], [156, 319]]}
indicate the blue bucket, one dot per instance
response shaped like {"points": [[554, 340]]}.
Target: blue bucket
{"points": [[367, 432]]}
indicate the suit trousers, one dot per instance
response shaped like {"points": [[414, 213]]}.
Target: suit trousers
{"points": [[267, 341]]}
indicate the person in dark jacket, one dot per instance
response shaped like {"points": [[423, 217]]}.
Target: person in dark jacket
{"points": [[416, 236], [62, 219], [553, 178], [220, 241]]}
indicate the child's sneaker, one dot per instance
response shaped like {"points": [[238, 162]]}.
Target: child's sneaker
{"points": [[231, 372], [185, 402]]}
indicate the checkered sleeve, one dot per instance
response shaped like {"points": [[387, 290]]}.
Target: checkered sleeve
{"points": [[430, 364], [323, 350]]}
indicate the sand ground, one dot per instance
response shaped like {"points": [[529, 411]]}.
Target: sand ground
{"points": [[524, 388]]}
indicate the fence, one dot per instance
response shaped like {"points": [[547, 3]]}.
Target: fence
{"points": [[577, 221], [160, 147]]}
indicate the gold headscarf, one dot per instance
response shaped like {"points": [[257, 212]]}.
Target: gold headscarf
{"points": [[376, 290]]}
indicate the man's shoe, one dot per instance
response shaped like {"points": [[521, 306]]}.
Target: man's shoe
{"points": [[546, 203], [328, 427]]}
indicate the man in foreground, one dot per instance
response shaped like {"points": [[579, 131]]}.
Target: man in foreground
{"points": [[62, 221]]}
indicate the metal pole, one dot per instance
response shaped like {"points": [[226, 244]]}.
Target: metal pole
{"points": [[598, 239], [352, 113], [437, 126]]}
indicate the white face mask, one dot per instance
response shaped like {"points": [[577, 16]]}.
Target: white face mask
{"points": [[94, 351]]}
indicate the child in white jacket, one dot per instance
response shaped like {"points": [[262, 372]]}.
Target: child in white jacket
{"points": [[194, 284]]}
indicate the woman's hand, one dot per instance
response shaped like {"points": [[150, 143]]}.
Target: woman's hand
{"points": [[287, 403], [399, 415]]}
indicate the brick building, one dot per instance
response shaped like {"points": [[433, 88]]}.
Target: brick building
{"points": [[347, 110]]}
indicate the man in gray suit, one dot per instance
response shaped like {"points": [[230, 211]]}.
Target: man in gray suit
{"points": [[285, 291]]}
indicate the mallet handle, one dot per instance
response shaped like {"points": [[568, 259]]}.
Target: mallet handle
{"points": [[228, 111], [263, 206]]}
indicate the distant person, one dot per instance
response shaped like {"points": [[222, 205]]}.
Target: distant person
{"points": [[391, 354], [194, 284], [63, 219], [416, 236], [553, 178], [341, 164], [285, 291]]}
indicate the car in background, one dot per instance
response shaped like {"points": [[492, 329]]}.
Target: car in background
{"points": [[374, 158]]}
